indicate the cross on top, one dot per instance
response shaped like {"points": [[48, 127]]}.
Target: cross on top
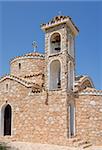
{"points": [[34, 44], [59, 13]]}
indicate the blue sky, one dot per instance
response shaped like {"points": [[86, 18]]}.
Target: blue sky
{"points": [[20, 25]]}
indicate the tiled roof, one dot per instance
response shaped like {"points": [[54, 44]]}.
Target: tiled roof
{"points": [[21, 81], [77, 78], [33, 75], [29, 55], [80, 82], [91, 90], [84, 89], [35, 54]]}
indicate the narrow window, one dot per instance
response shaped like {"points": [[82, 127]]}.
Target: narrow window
{"points": [[19, 66], [71, 120], [70, 76], [6, 87], [59, 80]]}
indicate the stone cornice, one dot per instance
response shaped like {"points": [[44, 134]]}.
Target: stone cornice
{"points": [[91, 91], [60, 20]]}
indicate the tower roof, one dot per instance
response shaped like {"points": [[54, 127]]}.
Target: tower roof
{"points": [[60, 20]]}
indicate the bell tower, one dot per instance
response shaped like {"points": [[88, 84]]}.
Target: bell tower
{"points": [[60, 35]]}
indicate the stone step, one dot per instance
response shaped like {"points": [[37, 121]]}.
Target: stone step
{"points": [[11, 148], [86, 145], [79, 143], [8, 147], [74, 139]]}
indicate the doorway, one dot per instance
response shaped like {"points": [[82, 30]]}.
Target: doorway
{"points": [[7, 120]]}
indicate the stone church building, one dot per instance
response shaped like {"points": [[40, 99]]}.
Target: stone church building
{"points": [[42, 100]]}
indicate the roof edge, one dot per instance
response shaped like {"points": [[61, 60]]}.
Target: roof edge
{"points": [[19, 80], [33, 55]]}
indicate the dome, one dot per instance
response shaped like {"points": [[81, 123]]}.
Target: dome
{"points": [[28, 64]]}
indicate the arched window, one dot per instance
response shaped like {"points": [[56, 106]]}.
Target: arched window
{"points": [[70, 76], [6, 117], [55, 43], [55, 75], [71, 120]]}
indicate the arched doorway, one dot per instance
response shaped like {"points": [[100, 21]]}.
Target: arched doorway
{"points": [[7, 120]]}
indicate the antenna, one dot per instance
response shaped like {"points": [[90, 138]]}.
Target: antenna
{"points": [[34, 44]]}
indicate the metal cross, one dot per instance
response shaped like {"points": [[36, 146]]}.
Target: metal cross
{"points": [[59, 13], [34, 44]]}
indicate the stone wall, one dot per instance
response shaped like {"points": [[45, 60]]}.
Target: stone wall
{"points": [[89, 118], [36, 78], [44, 117], [36, 117], [29, 66]]}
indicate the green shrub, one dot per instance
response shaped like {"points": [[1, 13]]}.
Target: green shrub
{"points": [[2, 147]]}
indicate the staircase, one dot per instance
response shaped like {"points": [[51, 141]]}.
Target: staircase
{"points": [[77, 142]]}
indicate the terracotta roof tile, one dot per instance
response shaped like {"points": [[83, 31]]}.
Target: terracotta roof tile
{"points": [[21, 81], [33, 54]]}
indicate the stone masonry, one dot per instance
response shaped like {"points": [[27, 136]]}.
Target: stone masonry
{"points": [[32, 112]]}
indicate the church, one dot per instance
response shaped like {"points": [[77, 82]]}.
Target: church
{"points": [[43, 100]]}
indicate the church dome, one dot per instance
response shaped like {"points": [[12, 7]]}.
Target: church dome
{"points": [[27, 64]]}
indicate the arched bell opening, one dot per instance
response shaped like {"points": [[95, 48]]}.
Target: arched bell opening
{"points": [[55, 75], [55, 43]]}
